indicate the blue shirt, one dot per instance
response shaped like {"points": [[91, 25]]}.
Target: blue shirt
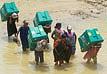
{"points": [[23, 32]]}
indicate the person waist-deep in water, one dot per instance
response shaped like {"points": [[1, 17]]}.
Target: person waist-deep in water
{"points": [[23, 30], [11, 25]]}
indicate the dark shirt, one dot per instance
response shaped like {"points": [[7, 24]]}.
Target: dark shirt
{"points": [[23, 32]]}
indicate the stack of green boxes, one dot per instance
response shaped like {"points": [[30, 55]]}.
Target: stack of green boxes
{"points": [[42, 18], [7, 9], [35, 34], [88, 38]]}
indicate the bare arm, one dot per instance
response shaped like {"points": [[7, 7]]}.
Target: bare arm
{"points": [[18, 33], [17, 19], [75, 37], [52, 36]]}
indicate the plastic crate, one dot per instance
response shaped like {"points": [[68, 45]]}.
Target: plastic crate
{"points": [[83, 43], [7, 9], [42, 18], [93, 36], [88, 38], [35, 34]]}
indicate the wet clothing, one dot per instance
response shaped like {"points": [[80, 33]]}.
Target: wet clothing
{"points": [[92, 52], [39, 53], [24, 36], [71, 41], [68, 54], [39, 56], [72, 38], [11, 26], [59, 50]]}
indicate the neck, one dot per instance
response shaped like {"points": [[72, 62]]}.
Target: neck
{"points": [[69, 32]]}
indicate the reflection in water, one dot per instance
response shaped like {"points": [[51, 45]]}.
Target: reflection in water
{"points": [[91, 68]]}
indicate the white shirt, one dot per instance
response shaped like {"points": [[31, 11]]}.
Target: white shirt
{"points": [[39, 46]]}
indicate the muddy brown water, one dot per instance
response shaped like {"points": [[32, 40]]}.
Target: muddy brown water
{"points": [[77, 13]]}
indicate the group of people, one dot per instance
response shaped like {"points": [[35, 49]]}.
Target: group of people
{"points": [[65, 46], [23, 30], [12, 30], [64, 42], [42, 44]]}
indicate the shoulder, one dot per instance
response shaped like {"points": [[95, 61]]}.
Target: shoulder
{"points": [[20, 27]]}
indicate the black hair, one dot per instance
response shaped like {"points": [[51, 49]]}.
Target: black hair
{"points": [[57, 24]]}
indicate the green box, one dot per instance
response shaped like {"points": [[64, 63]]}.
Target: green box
{"points": [[83, 43], [42, 18], [88, 38], [3, 17], [7, 9], [32, 44], [35, 34], [93, 36]]}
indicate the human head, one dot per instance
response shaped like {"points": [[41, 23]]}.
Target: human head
{"points": [[43, 42], [25, 22], [14, 15], [69, 28], [58, 25]]}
